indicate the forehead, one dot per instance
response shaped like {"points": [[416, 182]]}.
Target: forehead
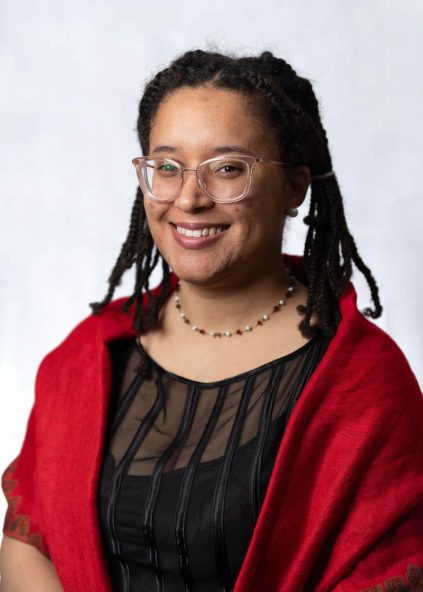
{"points": [[203, 116]]}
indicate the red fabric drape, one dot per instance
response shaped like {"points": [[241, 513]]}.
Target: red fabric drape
{"points": [[343, 511]]}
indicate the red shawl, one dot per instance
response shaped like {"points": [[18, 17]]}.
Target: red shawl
{"points": [[343, 511]]}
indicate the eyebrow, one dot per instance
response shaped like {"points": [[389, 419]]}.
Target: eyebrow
{"points": [[216, 149]]}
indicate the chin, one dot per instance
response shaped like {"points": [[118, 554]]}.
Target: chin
{"points": [[197, 274], [199, 279]]}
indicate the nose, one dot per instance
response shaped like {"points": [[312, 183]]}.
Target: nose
{"points": [[192, 196]]}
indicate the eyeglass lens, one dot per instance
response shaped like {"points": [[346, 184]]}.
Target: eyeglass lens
{"points": [[223, 179]]}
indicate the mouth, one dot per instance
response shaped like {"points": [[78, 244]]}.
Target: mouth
{"points": [[197, 235], [200, 230]]}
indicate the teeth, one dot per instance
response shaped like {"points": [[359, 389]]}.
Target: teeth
{"points": [[209, 231]]}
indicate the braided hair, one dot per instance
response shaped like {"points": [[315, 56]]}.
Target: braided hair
{"points": [[288, 103]]}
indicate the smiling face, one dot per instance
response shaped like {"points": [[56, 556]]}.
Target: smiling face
{"points": [[192, 125]]}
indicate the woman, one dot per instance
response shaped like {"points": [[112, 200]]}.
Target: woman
{"points": [[158, 454]]}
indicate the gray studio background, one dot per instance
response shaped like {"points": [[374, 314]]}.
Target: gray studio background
{"points": [[71, 76]]}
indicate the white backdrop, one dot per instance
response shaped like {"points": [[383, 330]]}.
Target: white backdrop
{"points": [[71, 76]]}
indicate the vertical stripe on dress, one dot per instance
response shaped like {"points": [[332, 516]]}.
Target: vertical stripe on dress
{"points": [[264, 422], [218, 508], [153, 491], [311, 360], [124, 463], [185, 491]]}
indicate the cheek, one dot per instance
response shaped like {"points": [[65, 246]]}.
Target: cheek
{"points": [[153, 209], [154, 213], [260, 221], [245, 217], [256, 213], [247, 210]]}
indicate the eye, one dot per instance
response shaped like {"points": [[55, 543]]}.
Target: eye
{"points": [[231, 168], [227, 168], [165, 168]]}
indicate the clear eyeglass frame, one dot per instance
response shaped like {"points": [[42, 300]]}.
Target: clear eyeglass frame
{"points": [[140, 163]]}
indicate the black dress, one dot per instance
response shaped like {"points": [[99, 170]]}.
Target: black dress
{"points": [[186, 466]]}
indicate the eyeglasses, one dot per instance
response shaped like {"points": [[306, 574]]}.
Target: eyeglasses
{"points": [[225, 179]]}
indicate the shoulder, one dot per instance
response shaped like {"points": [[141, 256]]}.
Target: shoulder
{"points": [[360, 350], [88, 337], [363, 396], [89, 330], [364, 369], [365, 343]]}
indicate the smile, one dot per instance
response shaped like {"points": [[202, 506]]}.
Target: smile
{"points": [[206, 231], [199, 236]]}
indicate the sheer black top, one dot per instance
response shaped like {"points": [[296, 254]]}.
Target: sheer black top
{"points": [[186, 466]]}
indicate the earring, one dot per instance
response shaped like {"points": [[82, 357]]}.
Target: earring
{"points": [[293, 212]]}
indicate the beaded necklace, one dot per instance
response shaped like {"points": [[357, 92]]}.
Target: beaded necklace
{"points": [[248, 328]]}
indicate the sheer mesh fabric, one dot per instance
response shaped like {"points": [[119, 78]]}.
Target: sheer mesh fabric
{"points": [[186, 466]]}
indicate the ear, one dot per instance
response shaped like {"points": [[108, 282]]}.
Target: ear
{"points": [[299, 178]]}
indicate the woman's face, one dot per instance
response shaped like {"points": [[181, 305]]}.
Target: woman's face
{"points": [[194, 124]]}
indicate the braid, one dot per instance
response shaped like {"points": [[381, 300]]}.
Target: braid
{"points": [[126, 257], [328, 224], [139, 247], [287, 102]]}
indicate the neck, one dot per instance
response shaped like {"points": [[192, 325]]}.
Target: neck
{"points": [[227, 307]]}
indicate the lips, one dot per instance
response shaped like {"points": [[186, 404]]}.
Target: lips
{"points": [[197, 235]]}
